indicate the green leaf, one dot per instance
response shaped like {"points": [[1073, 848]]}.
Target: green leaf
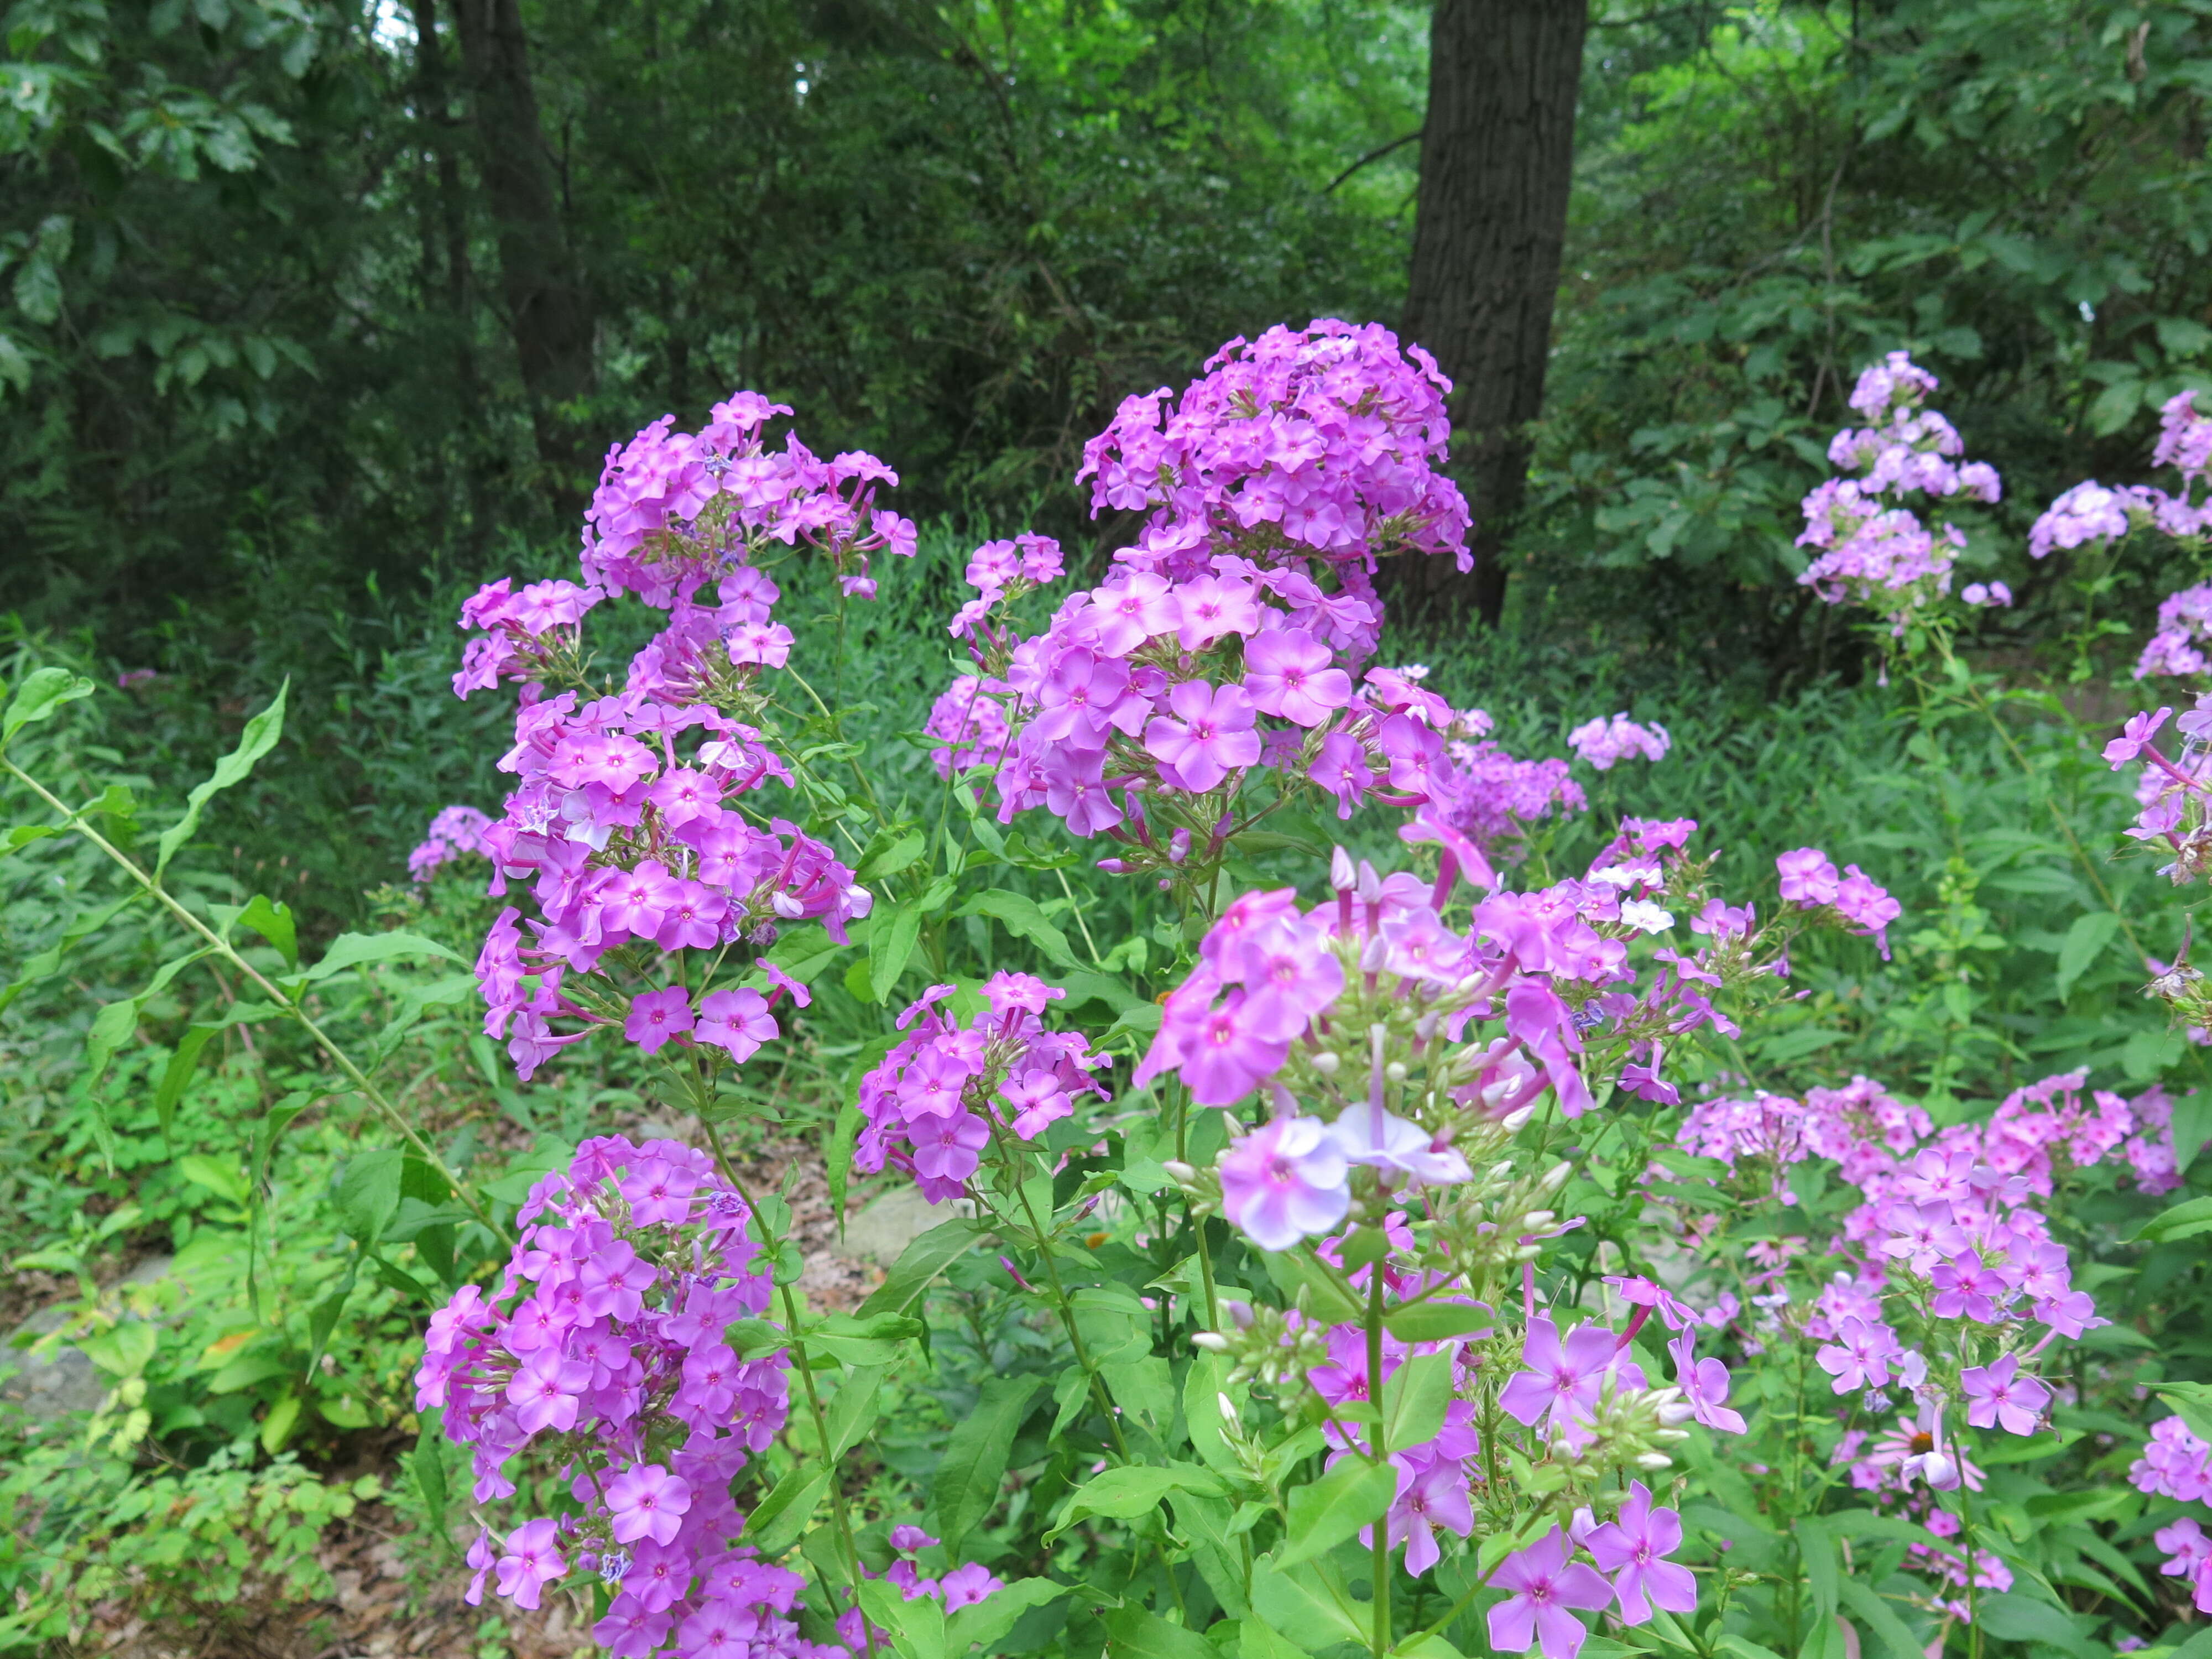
{"points": [[987, 1620], [1875, 1610], [1437, 1321], [24, 833], [1352, 1495], [774, 1526], [1021, 917], [218, 1178], [1414, 1397], [853, 1413], [1125, 1494], [258, 738], [367, 1196], [2184, 1220], [1202, 1388], [922, 1262], [112, 1027], [1133, 1633], [891, 936], [891, 850], [273, 922], [351, 950], [427, 1466], [862, 1340], [48, 962], [38, 698], [1204, 1523], [124, 1351], [276, 1427], [2015, 1617], [916, 1627], [1313, 1603], [183, 1060], [1816, 1549], [966, 1487], [2085, 942]]}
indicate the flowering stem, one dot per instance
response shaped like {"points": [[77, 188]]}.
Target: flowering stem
{"points": [[848, 1548], [1379, 1454], [223, 948]]}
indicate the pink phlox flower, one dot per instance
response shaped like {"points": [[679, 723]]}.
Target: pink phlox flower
{"points": [[1431, 1493], [1290, 673], [1704, 1386], [1859, 1356], [737, 1022], [659, 1194], [1283, 1181], [1038, 1100], [2135, 737], [1633, 1548], [1807, 877], [655, 1017], [1210, 736], [967, 1585], [646, 1501], [1605, 743], [545, 1393], [1563, 1378], [532, 1560], [1543, 1585], [1997, 1395]]}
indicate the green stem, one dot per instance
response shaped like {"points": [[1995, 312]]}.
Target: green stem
{"points": [[1379, 1454], [223, 948]]}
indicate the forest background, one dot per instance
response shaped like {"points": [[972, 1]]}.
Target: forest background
{"points": [[313, 317]]}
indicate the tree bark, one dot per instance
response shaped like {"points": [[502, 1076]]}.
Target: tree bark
{"points": [[1496, 162], [549, 307]]}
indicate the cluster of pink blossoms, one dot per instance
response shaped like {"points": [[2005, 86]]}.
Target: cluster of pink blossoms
{"points": [[2091, 513], [2176, 647], [1333, 1007], [2177, 1463], [604, 1352], [1873, 549], [1231, 639], [626, 819], [456, 833], [1605, 743], [931, 1103]]}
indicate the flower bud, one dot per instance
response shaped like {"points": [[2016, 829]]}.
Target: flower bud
{"points": [[1212, 1341], [1228, 1409], [1179, 1172], [1655, 1460], [1327, 1062], [1395, 1071], [1340, 876]]}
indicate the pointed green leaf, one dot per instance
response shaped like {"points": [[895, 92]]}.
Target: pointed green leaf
{"points": [[968, 1475], [1352, 1495], [39, 696], [258, 739]]}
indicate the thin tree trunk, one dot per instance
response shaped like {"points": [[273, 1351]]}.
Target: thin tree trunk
{"points": [[549, 307], [1496, 161]]}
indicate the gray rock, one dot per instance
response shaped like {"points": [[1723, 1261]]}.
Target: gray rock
{"points": [[63, 1381], [895, 1220]]}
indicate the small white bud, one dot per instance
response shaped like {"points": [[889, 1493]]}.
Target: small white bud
{"points": [[1212, 1341], [1179, 1171], [1327, 1062], [1655, 1460], [1395, 1071], [1228, 1409], [1341, 875]]}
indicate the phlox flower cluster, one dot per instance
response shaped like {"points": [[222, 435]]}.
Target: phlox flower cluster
{"points": [[626, 819], [2184, 623], [963, 1587], [2090, 513], [2173, 788], [2177, 1463], [931, 1103], [457, 832], [1605, 743], [1811, 882], [1545, 1588], [1873, 549], [1231, 639], [1332, 1012], [1322, 442], [675, 510], [603, 1352]]}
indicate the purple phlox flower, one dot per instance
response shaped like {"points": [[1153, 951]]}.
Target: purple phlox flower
{"points": [[1997, 1394], [1038, 1099], [1543, 1585], [532, 1560], [1807, 877], [1392, 1144], [544, 1391], [737, 1022], [657, 1016], [1704, 1385], [1210, 736], [2135, 737], [1431, 1493], [1564, 1377], [1290, 673], [1283, 1181], [966, 1585], [1633, 1548], [1859, 1356], [646, 1501]]}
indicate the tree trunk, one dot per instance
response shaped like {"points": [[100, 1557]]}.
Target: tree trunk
{"points": [[1496, 160], [549, 307]]}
